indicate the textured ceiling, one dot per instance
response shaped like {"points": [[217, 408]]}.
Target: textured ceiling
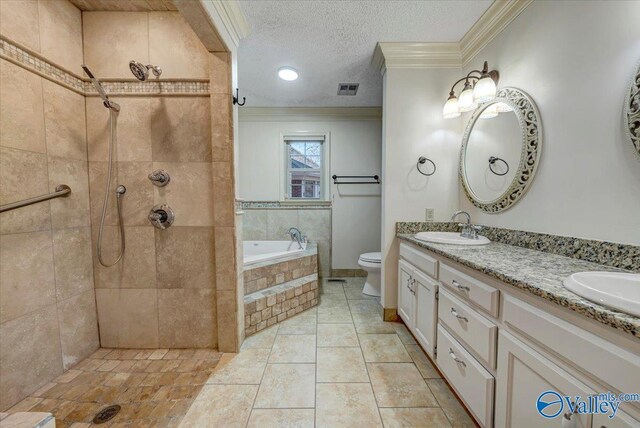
{"points": [[331, 42]]}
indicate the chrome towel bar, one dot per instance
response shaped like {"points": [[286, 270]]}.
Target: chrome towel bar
{"points": [[62, 190], [373, 179]]}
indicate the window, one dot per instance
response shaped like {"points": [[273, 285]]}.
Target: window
{"points": [[305, 167]]}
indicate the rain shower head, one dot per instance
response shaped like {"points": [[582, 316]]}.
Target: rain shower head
{"points": [[141, 71], [96, 84]]}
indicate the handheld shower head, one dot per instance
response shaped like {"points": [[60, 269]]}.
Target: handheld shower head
{"points": [[96, 84], [141, 71]]}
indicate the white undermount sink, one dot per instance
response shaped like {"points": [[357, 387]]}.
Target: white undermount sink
{"points": [[615, 290], [453, 238]]}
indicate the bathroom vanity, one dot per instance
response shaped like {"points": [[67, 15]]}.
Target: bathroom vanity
{"points": [[502, 329]]}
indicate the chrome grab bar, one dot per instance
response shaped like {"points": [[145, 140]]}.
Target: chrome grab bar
{"points": [[62, 190]]}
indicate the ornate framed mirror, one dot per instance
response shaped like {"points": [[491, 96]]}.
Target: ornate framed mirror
{"points": [[632, 111], [501, 150]]}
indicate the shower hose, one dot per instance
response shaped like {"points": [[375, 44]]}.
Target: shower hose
{"points": [[120, 191]]}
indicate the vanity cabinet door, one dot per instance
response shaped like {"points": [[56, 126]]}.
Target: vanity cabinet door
{"points": [[405, 293], [523, 374], [426, 312]]}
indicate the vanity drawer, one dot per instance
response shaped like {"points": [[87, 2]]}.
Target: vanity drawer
{"points": [[606, 361], [422, 261], [467, 376], [478, 293], [472, 328]]}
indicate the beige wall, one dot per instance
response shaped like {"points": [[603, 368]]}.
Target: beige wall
{"points": [[355, 149], [47, 306], [163, 292]]}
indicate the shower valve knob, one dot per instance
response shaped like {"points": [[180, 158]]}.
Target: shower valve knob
{"points": [[161, 216], [159, 177]]}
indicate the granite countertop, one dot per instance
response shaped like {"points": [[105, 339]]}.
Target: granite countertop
{"points": [[536, 272]]}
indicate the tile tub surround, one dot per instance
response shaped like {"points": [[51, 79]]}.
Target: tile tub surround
{"points": [[314, 370], [271, 221], [260, 276], [535, 272], [155, 387], [612, 254]]}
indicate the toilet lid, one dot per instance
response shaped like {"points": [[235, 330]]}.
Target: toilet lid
{"points": [[371, 257]]}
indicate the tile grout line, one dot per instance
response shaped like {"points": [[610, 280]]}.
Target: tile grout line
{"points": [[263, 373], [375, 398]]}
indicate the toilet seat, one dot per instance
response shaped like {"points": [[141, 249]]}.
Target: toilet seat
{"points": [[371, 257]]}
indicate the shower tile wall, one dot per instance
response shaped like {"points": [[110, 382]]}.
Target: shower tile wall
{"points": [[47, 305], [163, 294], [273, 224]]}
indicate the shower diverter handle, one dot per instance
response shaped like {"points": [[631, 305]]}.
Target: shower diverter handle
{"points": [[161, 216]]}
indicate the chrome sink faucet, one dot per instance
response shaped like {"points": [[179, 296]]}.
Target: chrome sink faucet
{"points": [[468, 230], [297, 236]]}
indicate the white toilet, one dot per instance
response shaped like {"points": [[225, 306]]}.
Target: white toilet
{"points": [[370, 262]]}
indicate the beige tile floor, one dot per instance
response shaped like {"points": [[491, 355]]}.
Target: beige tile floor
{"points": [[337, 365]]}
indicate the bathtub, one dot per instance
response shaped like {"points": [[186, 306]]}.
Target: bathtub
{"points": [[262, 251]]}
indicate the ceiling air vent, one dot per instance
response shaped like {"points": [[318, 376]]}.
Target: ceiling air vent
{"points": [[348, 88]]}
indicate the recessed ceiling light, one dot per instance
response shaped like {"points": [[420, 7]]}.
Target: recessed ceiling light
{"points": [[287, 73]]}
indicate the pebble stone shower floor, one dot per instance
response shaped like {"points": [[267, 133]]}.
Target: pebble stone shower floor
{"points": [[336, 365], [154, 387]]}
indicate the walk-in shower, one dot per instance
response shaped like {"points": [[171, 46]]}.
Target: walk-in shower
{"points": [[114, 109]]}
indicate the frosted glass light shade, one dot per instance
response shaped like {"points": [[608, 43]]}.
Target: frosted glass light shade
{"points": [[450, 109], [503, 108], [489, 112], [484, 90], [466, 102]]}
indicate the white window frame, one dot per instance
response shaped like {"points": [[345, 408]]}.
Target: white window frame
{"points": [[325, 137]]}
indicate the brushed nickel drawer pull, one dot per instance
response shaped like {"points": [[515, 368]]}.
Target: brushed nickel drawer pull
{"points": [[459, 286], [456, 359], [457, 315]]}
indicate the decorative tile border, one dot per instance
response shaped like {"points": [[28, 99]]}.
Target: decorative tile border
{"points": [[623, 256], [282, 205], [37, 64], [155, 87]]}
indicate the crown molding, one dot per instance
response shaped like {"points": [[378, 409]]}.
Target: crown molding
{"points": [[307, 114], [499, 15], [229, 15], [449, 54], [417, 55]]}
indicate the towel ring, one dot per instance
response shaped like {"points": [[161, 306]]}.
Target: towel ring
{"points": [[421, 161], [493, 160]]}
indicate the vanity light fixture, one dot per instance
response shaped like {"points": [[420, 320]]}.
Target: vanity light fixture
{"points": [[490, 112], [479, 87], [287, 73], [503, 108]]}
